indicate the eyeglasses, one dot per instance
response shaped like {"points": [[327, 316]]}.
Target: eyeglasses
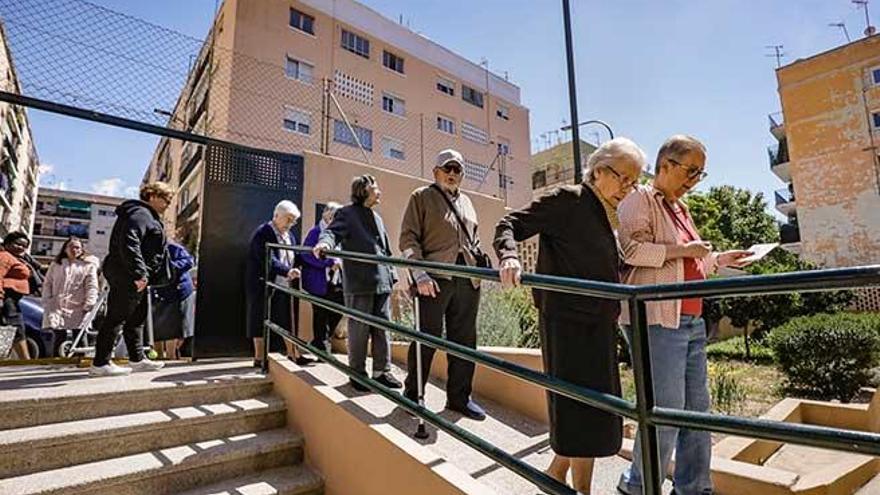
{"points": [[451, 169], [693, 173], [626, 184]]}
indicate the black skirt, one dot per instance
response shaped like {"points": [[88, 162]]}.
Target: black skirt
{"points": [[582, 349], [283, 312]]}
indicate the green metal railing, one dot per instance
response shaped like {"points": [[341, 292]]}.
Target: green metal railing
{"points": [[643, 410]]}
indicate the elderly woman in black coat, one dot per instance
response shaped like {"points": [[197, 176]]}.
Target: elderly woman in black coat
{"points": [[577, 225]]}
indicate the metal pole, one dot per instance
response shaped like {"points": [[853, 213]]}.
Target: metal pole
{"points": [[572, 93], [421, 432], [652, 472], [150, 340], [267, 307]]}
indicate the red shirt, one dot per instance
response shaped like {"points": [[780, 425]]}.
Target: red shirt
{"points": [[693, 268]]}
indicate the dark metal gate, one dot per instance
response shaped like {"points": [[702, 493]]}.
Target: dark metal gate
{"points": [[242, 187]]}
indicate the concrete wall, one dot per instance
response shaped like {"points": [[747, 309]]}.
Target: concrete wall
{"points": [[827, 101]]}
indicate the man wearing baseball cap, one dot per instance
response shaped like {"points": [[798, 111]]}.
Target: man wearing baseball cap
{"points": [[440, 224]]}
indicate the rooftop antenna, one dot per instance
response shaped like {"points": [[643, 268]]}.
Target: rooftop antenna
{"points": [[778, 54], [842, 26], [869, 29]]}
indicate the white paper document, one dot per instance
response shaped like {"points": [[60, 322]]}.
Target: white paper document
{"points": [[759, 251]]}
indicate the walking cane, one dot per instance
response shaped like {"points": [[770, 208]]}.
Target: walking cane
{"points": [[421, 432], [152, 354]]}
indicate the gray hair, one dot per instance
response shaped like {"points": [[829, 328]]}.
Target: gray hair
{"points": [[611, 152], [331, 208], [677, 147], [286, 207]]}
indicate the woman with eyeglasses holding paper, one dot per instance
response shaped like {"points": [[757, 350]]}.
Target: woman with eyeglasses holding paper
{"points": [[661, 244]]}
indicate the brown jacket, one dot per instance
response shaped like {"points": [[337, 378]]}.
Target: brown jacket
{"points": [[430, 231]]}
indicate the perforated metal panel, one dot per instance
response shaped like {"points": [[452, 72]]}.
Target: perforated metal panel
{"points": [[242, 187]]}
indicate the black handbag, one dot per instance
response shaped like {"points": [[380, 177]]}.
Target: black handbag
{"points": [[480, 257]]}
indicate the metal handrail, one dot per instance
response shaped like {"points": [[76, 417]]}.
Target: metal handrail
{"points": [[644, 410]]}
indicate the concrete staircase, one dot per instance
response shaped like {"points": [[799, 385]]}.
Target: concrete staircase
{"points": [[194, 430]]}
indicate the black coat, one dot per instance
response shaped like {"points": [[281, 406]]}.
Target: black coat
{"points": [[137, 246], [359, 229], [578, 333]]}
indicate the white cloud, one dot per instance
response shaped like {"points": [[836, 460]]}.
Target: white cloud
{"points": [[112, 186], [132, 191], [46, 168]]}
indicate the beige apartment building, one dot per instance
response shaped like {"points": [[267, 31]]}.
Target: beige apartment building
{"points": [[337, 78], [63, 214], [19, 165]]}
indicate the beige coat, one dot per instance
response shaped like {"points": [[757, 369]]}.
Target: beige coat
{"points": [[69, 291]]}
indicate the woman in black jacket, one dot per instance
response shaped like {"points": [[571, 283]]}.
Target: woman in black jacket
{"points": [[578, 239], [136, 258]]}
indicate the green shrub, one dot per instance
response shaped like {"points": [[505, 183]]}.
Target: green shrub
{"points": [[735, 349], [827, 356], [507, 318]]}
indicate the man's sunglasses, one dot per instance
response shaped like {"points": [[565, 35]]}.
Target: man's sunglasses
{"points": [[451, 169], [692, 173]]}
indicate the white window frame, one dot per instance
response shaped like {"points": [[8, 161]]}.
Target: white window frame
{"points": [[502, 111], [446, 82], [390, 144], [355, 38], [874, 81], [287, 110], [441, 127], [396, 102], [298, 28], [875, 120], [505, 144], [402, 70], [473, 91], [299, 63]]}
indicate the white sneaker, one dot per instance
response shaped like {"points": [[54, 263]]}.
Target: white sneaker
{"points": [[109, 369], [146, 365]]}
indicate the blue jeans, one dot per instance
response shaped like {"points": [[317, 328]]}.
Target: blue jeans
{"points": [[678, 363]]}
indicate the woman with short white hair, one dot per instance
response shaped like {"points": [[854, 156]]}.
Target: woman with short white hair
{"points": [[282, 271], [577, 225]]}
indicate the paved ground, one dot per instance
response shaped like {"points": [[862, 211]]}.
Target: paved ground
{"points": [[516, 434]]}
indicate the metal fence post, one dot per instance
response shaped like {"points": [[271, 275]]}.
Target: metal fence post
{"points": [[267, 308], [652, 475]]}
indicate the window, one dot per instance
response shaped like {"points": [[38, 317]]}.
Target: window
{"points": [[474, 133], [875, 117], [298, 121], [355, 44], [875, 75], [392, 148], [302, 21], [297, 69], [502, 112], [471, 96], [342, 134], [393, 104], [445, 124], [445, 86], [503, 147], [392, 61]]}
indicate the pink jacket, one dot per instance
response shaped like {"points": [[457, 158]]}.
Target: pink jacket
{"points": [[69, 290], [645, 231]]}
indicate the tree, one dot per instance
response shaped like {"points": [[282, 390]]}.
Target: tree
{"points": [[732, 218]]}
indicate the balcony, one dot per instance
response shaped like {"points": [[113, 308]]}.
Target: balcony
{"points": [[779, 162], [785, 201], [777, 125]]}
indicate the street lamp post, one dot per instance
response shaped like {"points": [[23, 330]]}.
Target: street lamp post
{"points": [[603, 124]]}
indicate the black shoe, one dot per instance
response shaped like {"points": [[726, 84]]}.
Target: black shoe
{"points": [[303, 361], [411, 396], [471, 410], [258, 363], [357, 386], [388, 380]]}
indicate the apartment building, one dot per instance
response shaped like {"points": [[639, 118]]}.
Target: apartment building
{"points": [[19, 165], [828, 156], [63, 214], [336, 77]]}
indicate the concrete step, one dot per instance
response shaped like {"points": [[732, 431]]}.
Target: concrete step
{"points": [[167, 471], [41, 448], [289, 480], [99, 397]]}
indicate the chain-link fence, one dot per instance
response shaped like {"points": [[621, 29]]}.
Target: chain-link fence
{"points": [[75, 53]]}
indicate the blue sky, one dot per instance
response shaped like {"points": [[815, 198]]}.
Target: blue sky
{"points": [[648, 68]]}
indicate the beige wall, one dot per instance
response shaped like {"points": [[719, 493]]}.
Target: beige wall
{"points": [[827, 101], [327, 179]]}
